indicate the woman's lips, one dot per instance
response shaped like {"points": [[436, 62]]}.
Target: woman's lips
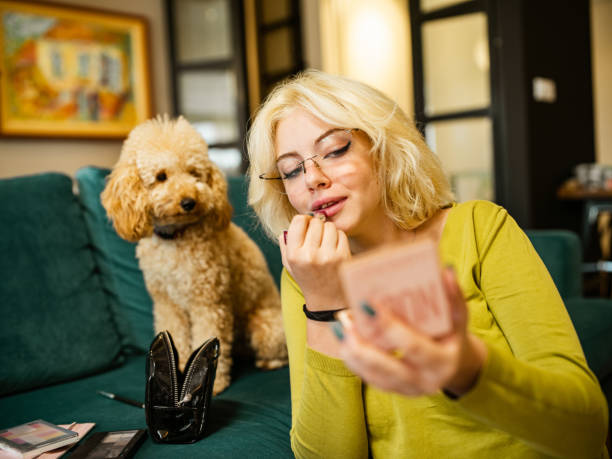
{"points": [[333, 209]]}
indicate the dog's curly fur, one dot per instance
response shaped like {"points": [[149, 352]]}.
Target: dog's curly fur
{"points": [[205, 276]]}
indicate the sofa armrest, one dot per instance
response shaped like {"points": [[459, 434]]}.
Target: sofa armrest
{"points": [[561, 252], [592, 319]]}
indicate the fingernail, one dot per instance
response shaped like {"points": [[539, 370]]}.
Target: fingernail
{"points": [[450, 267], [368, 309], [285, 236], [338, 331], [310, 213], [321, 216]]}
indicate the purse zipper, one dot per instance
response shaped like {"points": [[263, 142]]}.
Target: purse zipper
{"points": [[172, 367], [187, 397]]}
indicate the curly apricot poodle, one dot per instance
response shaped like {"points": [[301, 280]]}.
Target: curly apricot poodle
{"points": [[204, 274]]}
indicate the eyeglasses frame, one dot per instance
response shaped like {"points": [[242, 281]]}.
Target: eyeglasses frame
{"points": [[303, 162]]}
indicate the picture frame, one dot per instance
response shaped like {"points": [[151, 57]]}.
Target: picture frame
{"points": [[72, 72]]}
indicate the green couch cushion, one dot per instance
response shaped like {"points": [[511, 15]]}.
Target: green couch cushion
{"points": [[56, 322], [121, 277], [251, 418]]}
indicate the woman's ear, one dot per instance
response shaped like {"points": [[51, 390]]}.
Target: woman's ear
{"points": [[125, 202]]}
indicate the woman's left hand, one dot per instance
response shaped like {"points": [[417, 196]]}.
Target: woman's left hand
{"points": [[389, 354]]}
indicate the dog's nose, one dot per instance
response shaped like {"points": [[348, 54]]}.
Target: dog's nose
{"points": [[188, 204]]}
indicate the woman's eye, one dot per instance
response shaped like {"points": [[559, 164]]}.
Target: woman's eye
{"points": [[339, 152], [292, 174], [161, 177]]}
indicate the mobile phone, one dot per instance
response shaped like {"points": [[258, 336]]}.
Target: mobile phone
{"points": [[118, 444]]}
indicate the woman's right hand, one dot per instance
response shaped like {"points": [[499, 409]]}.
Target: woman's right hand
{"points": [[312, 254]]}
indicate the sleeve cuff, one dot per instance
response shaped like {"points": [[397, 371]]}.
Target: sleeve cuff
{"points": [[327, 364]]}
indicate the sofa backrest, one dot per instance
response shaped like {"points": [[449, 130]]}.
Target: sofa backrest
{"points": [[56, 321], [245, 217], [121, 275], [561, 252]]}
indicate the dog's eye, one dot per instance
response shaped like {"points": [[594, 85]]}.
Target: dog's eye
{"points": [[161, 177], [195, 173]]}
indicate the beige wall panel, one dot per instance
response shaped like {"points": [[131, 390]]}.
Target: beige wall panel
{"points": [[369, 41], [601, 46]]}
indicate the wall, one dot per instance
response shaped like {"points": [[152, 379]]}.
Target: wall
{"points": [[369, 41], [541, 142], [311, 33], [601, 46], [29, 156], [26, 156]]}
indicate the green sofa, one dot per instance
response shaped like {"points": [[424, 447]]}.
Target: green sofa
{"points": [[76, 318]]}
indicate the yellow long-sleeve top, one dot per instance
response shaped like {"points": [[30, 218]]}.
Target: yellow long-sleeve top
{"points": [[535, 395]]}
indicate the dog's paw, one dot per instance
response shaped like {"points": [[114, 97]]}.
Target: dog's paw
{"points": [[270, 364]]}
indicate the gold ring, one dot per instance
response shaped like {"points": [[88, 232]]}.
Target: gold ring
{"points": [[397, 353]]}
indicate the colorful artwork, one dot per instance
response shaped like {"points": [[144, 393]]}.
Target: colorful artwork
{"points": [[69, 72]]}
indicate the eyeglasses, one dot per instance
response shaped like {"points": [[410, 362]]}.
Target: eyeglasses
{"points": [[330, 152]]}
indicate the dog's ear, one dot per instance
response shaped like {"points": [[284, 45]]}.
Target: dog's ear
{"points": [[223, 208], [125, 202]]}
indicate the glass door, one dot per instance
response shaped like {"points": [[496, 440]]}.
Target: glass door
{"points": [[208, 70], [453, 96]]}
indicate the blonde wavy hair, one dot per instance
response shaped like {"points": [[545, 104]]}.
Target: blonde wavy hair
{"points": [[414, 185]]}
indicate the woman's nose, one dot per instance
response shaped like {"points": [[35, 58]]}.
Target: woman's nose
{"points": [[314, 176]]}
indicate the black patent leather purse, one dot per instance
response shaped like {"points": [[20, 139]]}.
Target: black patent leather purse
{"points": [[177, 403]]}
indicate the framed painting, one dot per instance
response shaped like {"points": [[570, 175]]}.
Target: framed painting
{"points": [[71, 72]]}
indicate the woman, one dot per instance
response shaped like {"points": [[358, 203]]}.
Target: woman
{"points": [[338, 169]]}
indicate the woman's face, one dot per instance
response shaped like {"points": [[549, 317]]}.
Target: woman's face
{"points": [[343, 186]]}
